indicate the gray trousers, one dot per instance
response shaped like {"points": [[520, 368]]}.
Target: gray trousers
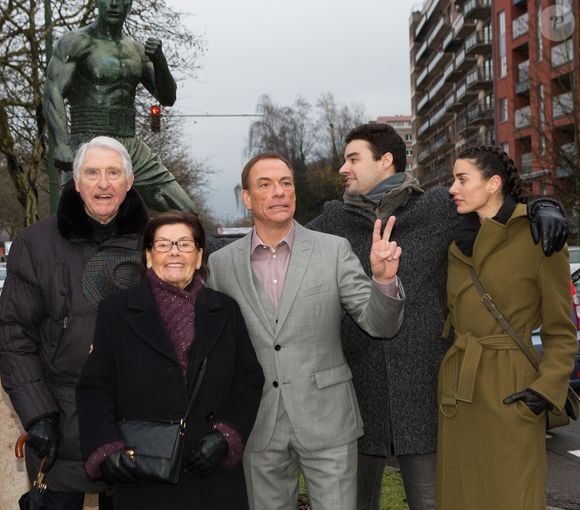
{"points": [[417, 471], [272, 474]]}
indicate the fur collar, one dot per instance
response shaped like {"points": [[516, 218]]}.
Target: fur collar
{"points": [[73, 222]]}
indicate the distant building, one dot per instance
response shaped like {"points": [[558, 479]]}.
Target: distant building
{"points": [[501, 73], [537, 64], [451, 83], [402, 125]]}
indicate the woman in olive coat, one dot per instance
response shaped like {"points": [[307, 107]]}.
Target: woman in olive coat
{"points": [[492, 402]]}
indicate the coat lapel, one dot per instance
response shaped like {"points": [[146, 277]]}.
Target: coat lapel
{"points": [[299, 259], [209, 324], [244, 277], [146, 321]]}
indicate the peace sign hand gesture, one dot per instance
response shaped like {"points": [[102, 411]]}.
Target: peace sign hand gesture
{"points": [[384, 253]]}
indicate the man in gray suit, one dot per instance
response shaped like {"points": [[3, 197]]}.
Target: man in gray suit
{"points": [[294, 286]]}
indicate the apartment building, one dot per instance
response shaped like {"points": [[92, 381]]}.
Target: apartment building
{"points": [[402, 124], [537, 60], [500, 73], [452, 87]]}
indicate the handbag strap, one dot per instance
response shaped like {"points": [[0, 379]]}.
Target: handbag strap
{"points": [[494, 310], [195, 391]]}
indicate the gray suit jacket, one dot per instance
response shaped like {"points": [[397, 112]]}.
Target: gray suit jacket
{"points": [[301, 352]]}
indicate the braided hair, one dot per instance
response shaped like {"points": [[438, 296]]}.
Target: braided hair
{"points": [[492, 161]]}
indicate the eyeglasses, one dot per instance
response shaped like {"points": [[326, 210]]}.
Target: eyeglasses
{"points": [[165, 245]]}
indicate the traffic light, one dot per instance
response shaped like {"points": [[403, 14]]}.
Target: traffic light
{"points": [[155, 114]]}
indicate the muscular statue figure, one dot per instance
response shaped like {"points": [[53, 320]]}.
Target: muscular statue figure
{"points": [[97, 69]]}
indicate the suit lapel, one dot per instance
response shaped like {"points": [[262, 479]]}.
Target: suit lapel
{"points": [[299, 259], [245, 279], [146, 321]]}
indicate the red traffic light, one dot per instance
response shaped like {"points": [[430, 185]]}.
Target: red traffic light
{"points": [[155, 115]]}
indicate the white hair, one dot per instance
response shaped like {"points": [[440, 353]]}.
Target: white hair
{"points": [[105, 142]]}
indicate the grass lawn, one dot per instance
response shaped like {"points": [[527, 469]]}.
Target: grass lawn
{"points": [[392, 493]]}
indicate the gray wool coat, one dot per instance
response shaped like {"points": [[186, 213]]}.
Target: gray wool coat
{"points": [[396, 380]]}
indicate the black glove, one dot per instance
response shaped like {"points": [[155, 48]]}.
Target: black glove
{"points": [[548, 221], [535, 402], [212, 449], [44, 439], [116, 468]]}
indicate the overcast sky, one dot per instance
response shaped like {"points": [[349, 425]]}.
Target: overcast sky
{"points": [[357, 50]]}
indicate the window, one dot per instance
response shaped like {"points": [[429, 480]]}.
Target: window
{"points": [[503, 110], [505, 147], [502, 45], [408, 138], [539, 38], [409, 152]]}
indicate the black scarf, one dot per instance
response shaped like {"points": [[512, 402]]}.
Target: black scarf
{"points": [[470, 225]]}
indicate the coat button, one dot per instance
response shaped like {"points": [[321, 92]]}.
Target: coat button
{"points": [[209, 416], [275, 384], [277, 347]]}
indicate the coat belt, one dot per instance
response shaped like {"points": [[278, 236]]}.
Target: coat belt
{"points": [[458, 381]]}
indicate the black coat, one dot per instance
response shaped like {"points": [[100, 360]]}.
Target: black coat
{"points": [[47, 322], [133, 373]]}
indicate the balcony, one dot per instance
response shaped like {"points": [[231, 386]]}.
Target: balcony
{"points": [[440, 142], [436, 34], [460, 124], [435, 60], [437, 116], [477, 9], [479, 79], [421, 52], [423, 155], [526, 164], [437, 87], [520, 26], [480, 115], [449, 68], [463, 61], [451, 42], [423, 128], [421, 77], [449, 101], [478, 44], [522, 117], [420, 26], [562, 105], [523, 78], [423, 102], [562, 53], [567, 160]]}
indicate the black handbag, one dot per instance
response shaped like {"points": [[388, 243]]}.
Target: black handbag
{"points": [[571, 407], [155, 448]]}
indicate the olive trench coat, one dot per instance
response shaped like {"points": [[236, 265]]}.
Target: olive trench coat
{"points": [[490, 454]]}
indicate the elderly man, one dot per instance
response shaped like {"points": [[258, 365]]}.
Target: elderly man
{"points": [[58, 271], [294, 287], [97, 70]]}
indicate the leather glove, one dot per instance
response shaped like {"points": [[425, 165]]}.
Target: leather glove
{"points": [[212, 449], [535, 402], [548, 222], [44, 439], [116, 468]]}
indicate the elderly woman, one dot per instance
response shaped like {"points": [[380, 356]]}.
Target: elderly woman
{"points": [[491, 450], [149, 343]]}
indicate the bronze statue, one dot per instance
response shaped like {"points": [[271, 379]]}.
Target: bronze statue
{"points": [[97, 69]]}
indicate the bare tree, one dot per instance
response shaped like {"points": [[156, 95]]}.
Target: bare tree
{"points": [[553, 151], [312, 140]]}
